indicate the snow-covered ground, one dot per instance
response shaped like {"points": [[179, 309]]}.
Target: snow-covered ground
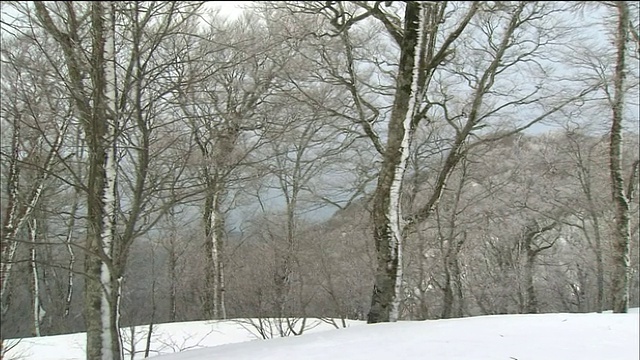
{"points": [[501, 337], [166, 338]]}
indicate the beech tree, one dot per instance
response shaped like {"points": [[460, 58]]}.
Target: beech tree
{"points": [[35, 139], [223, 106], [618, 87], [589, 209], [37, 128], [99, 116], [113, 74], [434, 61], [415, 35], [622, 191], [137, 120]]}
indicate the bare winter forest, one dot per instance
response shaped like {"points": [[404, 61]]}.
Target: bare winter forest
{"points": [[369, 160]]}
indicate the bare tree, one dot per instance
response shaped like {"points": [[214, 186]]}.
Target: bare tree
{"points": [[586, 154], [34, 135], [35, 120], [107, 72], [621, 194], [421, 95], [222, 106], [304, 153]]}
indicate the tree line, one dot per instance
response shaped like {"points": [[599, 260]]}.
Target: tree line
{"points": [[161, 162]]}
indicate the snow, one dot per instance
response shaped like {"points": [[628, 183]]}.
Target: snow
{"points": [[522, 337], [166, 338]]}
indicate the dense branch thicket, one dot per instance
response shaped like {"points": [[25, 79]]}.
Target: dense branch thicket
{"points": [[162, 163]]}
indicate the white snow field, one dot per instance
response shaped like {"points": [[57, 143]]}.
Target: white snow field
{"points": [[499, 337]]}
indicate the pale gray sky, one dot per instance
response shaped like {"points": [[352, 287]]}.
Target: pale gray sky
{"points": [[229, 8]]}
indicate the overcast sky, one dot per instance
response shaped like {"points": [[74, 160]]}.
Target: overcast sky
{"points": [[229, 8]]}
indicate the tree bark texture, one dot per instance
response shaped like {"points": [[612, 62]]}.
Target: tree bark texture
{"points": [[387, 214], [102, 285], [214, 233], [620, 280]]}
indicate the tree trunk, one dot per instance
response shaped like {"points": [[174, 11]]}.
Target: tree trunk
{"points": [[20, 206], [173, 264], [454, 271], [72, 256], [424, 282], [285, 270], [579, 290], [214, 233], [16, 214], [620, 280], [221, 298], [599, 273], [103, 283], [586, 184], [35, 288], [453, 245], [8, 245], [147, 347], [102, 278], [531, 251], [387, 212], [531, 304], [447, 300], [418, 60], [457, 277]]}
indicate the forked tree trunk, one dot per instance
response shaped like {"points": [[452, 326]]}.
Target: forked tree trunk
{"points": [[531, 251], [419, 57], [215, 178]]}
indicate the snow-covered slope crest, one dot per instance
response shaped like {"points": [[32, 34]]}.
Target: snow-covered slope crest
{"points": [[508, 337], [502, 337], [166, 338]]}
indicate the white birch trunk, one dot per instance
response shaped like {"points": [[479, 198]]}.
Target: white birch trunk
{"points": [[620, 281], [173, 291], [223, 308], [8, 257], [117, 316], [214, 234], [214, 255], [214, 301], [17, 216], [37, 310], [395, 207], [387, 211], [72, 260], [69, 238], [111, 289], [8, 245]]}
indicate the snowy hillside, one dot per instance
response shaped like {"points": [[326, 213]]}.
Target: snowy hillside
{"points": [[508, 337], [166, 339]]}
